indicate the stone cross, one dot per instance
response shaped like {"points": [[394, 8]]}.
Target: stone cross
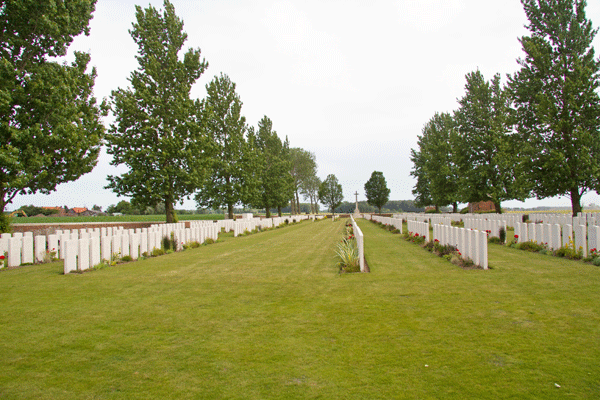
{"points": [[356, 211]]}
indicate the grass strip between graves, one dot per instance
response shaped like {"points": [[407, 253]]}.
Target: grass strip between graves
{"points": [[268, 316]]}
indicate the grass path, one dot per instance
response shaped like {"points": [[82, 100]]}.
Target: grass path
{"points": [[268, 316]]}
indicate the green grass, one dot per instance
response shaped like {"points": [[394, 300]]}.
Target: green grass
{"points": [[116, 218], [268, 316]]}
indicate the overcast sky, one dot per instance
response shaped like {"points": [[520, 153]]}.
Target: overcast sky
{"points": [[351, 81]]}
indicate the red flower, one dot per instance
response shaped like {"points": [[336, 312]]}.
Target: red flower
{"points": [[516, 236], [1, 257]]}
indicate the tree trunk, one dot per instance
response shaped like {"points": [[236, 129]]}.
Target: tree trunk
{"points": [[575, 201], [169, 209], [297, 203], [268, 211], [455, 207], [437, 209], [279, 211], [230, 211], [497, 206]]}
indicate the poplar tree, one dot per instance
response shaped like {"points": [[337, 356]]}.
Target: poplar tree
{"points": [[50, 128], [231, 175], [159, 132], [556, 101], [434, 165], [273, 168], [484, 150]]}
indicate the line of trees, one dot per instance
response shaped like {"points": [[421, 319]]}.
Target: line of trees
{"points": [[176, 147], [537, 135]]}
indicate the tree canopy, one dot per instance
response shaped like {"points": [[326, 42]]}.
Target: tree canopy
{"points": [[556, 101], [231, 176], [483, 153], [331, 193], [159, 132], [50, 128], [272, 168], [377, 191]]}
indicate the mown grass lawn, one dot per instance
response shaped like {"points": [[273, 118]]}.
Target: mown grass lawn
{"points": [[268, 316]]}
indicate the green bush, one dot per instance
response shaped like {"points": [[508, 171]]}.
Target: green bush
{"points": [[5, 223], [530, 246], [502, 235], [465, 210], [596, 261], [494, 239], [166, 243], [157, 252], [525, 218], [126, 258]]}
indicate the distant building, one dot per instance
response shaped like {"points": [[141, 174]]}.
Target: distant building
{"points": [[482, 206]]}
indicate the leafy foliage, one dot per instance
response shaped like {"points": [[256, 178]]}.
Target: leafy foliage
{"points": [[377, 191], [50, 128], [556, 100], [159, 131], [330, 192], [434, 164], [231, 173], [272, 166], [484, 153], [303, 171]]}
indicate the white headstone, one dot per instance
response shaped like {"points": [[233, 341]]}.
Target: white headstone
{"points": [[40, 248]]}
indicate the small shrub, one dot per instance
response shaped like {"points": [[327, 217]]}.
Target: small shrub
{"points": [[50, 256], [157, 252], [166, 243], [494, 239], [530, 246], [465, 210], [126, 259], [596, 261], [525, 218], [4, 259], [194, 245], [145, 254], [502, 235], [209, 241]]}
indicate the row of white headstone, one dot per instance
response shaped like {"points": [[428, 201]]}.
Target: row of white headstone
{"points": [[360, 241], [395, 222], [99, 244], [471, 244], [492, 226], [416, 228], [555, 236]]}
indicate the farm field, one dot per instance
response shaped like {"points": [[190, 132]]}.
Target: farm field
{"points": [[116, 218], [268, 316]]}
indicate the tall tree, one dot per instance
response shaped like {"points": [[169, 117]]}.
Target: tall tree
{"points": [[273, 168], [331, 193], [556, 101], [50, 128], [230, 176], [377, 191], [421, 188], [304, 166], [159, 131], [310, 190], [484, 152], [434, 166]]}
